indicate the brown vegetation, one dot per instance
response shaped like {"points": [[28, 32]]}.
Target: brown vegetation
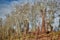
{"points": [[16, 25]]}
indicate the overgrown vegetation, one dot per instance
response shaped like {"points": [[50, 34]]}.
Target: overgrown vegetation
{"points": [[15, 25]]}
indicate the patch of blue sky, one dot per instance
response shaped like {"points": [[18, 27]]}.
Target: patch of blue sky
{"points": [[6, 1], [5, 5]]}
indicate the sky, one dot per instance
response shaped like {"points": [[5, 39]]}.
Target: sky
{"points": [[5, 5], [6, 8]]}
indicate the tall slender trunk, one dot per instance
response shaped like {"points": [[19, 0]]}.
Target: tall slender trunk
{"points": [[43, 21]]}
